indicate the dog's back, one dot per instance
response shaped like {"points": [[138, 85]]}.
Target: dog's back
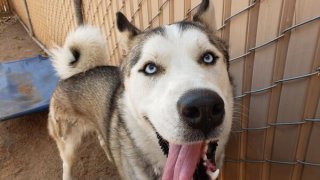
{"points": [[83, 99]]}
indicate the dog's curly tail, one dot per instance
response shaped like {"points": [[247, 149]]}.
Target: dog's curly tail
{"points": [[84, 49]]}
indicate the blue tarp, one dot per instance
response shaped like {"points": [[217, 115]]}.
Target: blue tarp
{"points": [[25, 86]]}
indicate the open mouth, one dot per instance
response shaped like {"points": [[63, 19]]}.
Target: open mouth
{"points": [[190, 161]]}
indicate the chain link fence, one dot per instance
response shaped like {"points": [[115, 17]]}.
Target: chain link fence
{"points": [[275, 62]]}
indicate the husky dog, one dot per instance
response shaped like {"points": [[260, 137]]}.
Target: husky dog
{"points": [[166, 113]]}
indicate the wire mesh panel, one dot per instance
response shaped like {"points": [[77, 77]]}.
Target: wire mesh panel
{"points": [[101, 13], [19, 6], [272, 111], [275, 63], [60, 20], [37, 12], [4, 6], [52, 20], [299, 60], [144, 14]]}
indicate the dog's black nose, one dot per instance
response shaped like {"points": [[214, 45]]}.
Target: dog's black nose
{"points": [[201, 109]]}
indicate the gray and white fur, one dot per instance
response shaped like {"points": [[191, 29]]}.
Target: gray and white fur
{"points": [[127, 106]]}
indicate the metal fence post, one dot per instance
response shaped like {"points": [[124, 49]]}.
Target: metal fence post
{"points": [[78, 11], [29, 19]]}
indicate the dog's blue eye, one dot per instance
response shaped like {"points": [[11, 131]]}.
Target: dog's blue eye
{"points": [[208, 58], [150, 68]]}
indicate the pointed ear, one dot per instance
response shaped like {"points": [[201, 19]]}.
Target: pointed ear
{"points": [[206, 15], [127, 31]]}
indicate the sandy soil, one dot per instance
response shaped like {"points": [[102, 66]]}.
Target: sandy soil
{"points": [[26, 150]]}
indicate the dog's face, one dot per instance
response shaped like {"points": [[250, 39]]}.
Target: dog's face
{"points": [[172, 61], [177, 81]]}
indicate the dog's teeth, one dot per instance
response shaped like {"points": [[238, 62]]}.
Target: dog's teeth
{"points": [[214, 175]]}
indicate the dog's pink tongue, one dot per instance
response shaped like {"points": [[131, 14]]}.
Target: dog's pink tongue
{"points": [[182, 161]]}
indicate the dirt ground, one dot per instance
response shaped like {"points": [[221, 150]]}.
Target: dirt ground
{"points": [[26, 150]]}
